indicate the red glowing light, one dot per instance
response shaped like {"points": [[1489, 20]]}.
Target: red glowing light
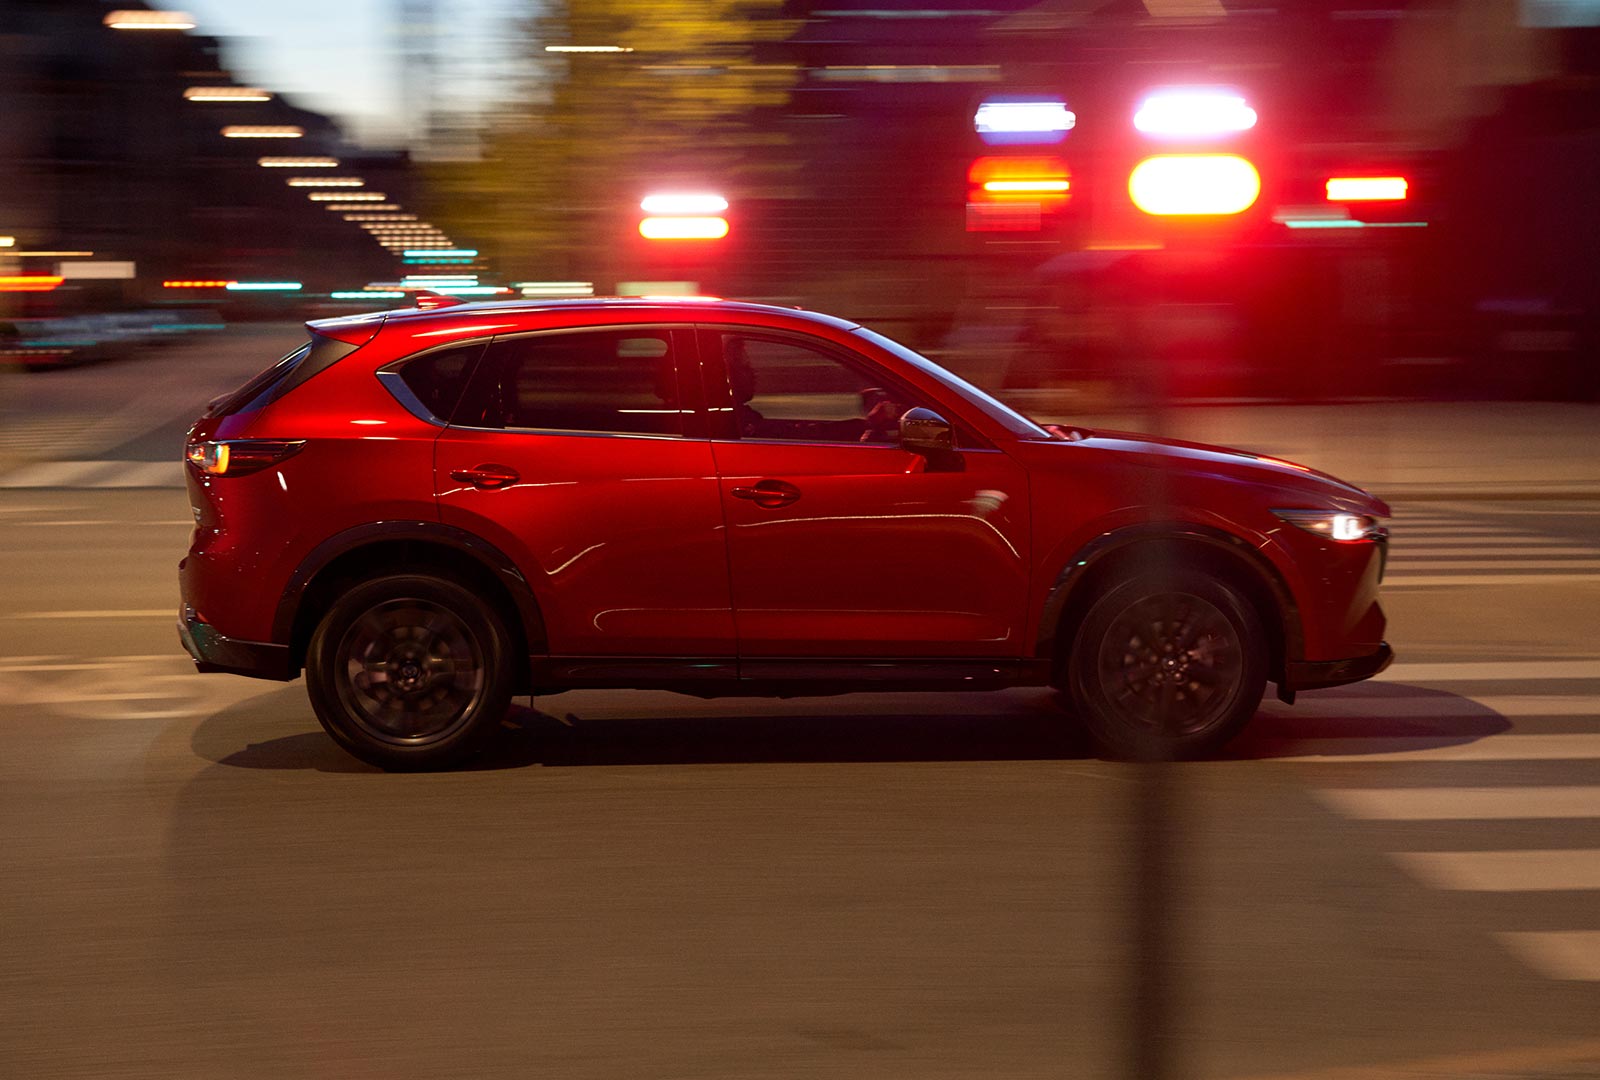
{"points": [[1367, 189], [29, 283], [1194, 184]]}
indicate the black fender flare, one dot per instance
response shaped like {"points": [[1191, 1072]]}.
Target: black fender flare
{"points": [[1078, 565], [473, 546]]}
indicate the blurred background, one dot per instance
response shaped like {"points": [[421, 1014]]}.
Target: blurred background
{"points": [[1415, 214], [1357, 233]]}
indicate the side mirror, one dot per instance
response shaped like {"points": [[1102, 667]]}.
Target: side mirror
{"points": [[926, 433]]}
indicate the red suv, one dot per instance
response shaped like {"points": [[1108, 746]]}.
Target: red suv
{"points": [[432, 511]]}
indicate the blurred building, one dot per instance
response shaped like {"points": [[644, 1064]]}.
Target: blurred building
{"points": [[109, 144], [1477, 283]]}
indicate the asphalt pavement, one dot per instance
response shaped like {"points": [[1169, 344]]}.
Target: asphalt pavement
{"points": [[1394, 879]]}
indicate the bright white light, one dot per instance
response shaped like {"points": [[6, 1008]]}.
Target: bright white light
{"points": [[534, 289], [1180, 184], [149, 20], [1196, 112], [683, 204], [587, 48], [1367, 189], [368, 294], [1046, 186], [262, 131], [1006, 117], [683, 228], [331, 181], [440, 279], [462, 253], [1348, 527], [298, 162], [263, 286], [8, 241], [226, 93], [347, 196]]}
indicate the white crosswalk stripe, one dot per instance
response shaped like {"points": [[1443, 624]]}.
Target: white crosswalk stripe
{"points": [[1451, 548], [1460, 762]]}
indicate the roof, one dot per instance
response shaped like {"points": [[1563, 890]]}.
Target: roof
{"points": [[503, 308]]}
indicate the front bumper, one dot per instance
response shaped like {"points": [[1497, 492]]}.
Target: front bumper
{"points": [[1318, 674], [214, 652]]}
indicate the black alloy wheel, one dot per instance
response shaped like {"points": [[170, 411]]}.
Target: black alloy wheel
{"points": [[410, 671], [1167, 665]]}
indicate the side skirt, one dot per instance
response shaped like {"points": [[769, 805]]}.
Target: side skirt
{"points": [[711, 677]]}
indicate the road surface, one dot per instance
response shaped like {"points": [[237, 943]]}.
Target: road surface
{"points": [[1395, 879]]}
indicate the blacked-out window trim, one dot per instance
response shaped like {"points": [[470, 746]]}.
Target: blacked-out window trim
{"points": [[391, 375]]}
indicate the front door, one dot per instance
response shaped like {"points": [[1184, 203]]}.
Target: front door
{"points": [[840, 543], [577, 454]]}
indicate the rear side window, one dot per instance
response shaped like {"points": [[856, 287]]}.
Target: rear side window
{"points": [[312, 358], [430, 385], [611, 381]]}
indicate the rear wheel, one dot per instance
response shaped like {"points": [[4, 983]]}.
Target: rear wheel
{"points": [[409, 671], [1167, 665]]}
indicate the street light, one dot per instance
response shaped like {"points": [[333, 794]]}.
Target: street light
{"points": [[226, 93], [331, 181], [347, 196], [298, 162], [263, 131], [149, 20]]}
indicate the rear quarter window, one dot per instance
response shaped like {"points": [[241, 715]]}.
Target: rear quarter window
{"points": [[312, 358], [430, 385]]}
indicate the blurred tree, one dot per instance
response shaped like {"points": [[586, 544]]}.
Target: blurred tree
{"points": [[584, 135]]}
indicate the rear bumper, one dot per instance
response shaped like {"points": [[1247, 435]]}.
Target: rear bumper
{"points": [[214, 652], [1318, 674]]}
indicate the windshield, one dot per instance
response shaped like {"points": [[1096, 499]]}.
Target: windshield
{"points": [[992, 407]]}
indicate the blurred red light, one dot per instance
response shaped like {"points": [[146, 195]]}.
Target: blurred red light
{"points": [[683, 228], [1044, 179], [1367, 189], [1194, 184], [29, 283]]}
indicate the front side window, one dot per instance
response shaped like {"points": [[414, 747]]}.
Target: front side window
{"points": [[605, 381], [782, 389]]}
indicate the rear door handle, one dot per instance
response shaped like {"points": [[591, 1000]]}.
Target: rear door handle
{"points": [[768, 494], [487, 476]]}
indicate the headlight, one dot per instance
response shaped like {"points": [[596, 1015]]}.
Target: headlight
{"points": [[1333, 524]]}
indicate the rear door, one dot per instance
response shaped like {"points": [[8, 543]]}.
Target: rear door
{"points": [[583, 455]]}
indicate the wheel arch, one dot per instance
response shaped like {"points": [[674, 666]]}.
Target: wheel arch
{"points": [[373, 550], [1113, 554]]}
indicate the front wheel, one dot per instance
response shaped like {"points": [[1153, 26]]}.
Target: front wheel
{"points": [[409, 671], [1167, 665]]}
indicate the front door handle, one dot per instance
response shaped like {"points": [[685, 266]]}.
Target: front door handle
{"points": [[768, 494], [487, 476]]}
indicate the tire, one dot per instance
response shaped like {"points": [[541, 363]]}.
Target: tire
{"points": [[1167, 665], [410, 672]]}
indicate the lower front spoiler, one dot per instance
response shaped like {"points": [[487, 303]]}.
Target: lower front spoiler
{"points": [[213, 651], [1319, 674]]}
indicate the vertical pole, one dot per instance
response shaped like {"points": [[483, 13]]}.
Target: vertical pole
{"points": [[1152, 874]]}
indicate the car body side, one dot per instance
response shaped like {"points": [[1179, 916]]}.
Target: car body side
{"points": [[363, 492]]}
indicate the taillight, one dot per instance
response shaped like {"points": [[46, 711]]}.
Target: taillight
{"points": [[240, 457]]}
